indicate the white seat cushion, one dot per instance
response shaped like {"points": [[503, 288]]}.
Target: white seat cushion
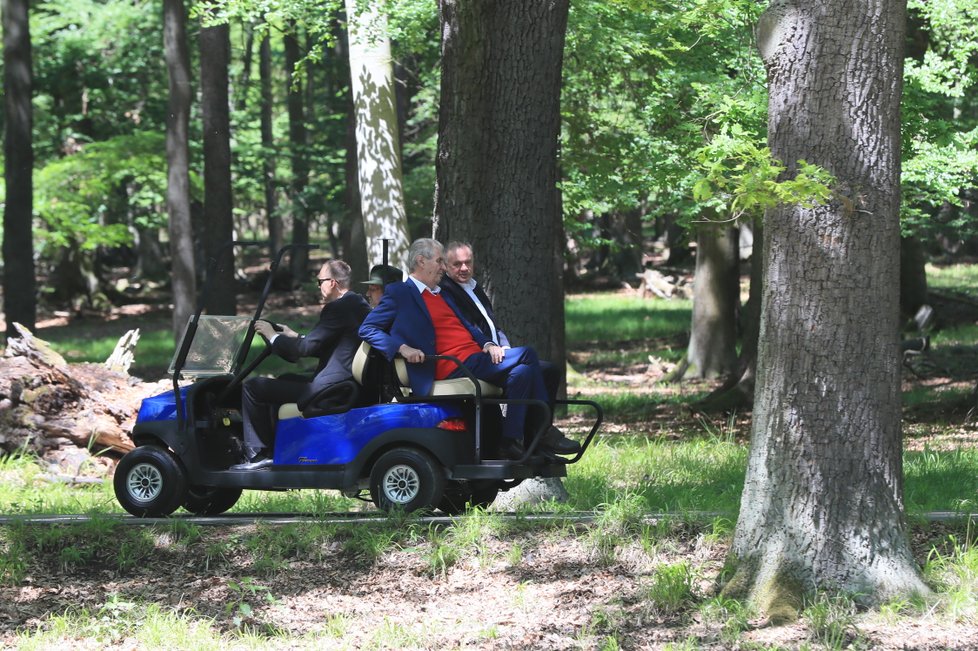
{"points": [[289, 410], [461, 386]]}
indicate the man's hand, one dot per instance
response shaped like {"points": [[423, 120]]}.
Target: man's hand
{"points": [[411, 355], [496, 352], [268, 330]]}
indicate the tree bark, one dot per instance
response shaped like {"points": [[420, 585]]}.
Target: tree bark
{"points": [[19, 302], [822, 505], [378, 144], [712, 348], [177, 58], [497, 169], [215, 55], [297, 157], [268, 146]]}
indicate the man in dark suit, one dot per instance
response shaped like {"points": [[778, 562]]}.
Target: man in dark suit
{"points": [[460, 284], [414, 319], [334, 340]]}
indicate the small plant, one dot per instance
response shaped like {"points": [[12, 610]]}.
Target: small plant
{"points": [[336, 625], [732, 616], [243, 594], [956, 576], [616, 525], [831, 620], [671, 589], [444, 552]]}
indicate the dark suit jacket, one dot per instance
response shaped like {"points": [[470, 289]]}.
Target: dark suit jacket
{"points": [[470, 310], [403, 318], [334, 340]]}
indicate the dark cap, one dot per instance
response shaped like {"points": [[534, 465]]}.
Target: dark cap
{"points": [[382, 275]]}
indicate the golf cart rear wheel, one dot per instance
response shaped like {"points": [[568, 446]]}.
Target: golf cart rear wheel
{"points": [[210, 500], [149, 482], [406, 478]]}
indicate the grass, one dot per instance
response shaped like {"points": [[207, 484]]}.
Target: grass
{"points": [[686, 468], [611, 317]]}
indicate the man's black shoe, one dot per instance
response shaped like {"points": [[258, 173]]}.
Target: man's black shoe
{"points": [[555, 440], [511, 449], [256, 464]]}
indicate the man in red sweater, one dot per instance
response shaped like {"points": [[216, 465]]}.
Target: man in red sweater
{"points": [[414, 319]]}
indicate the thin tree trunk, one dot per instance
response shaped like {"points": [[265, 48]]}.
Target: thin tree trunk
{"points": [[712, 349], [19, 302], [378, 143], [297, 156], [215, 56], [269, 150], [178, 163], [354, 239], [822, 505]]}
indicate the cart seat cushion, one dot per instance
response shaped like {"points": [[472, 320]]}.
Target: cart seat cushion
{"points": [[289, 410], [461, 386]]}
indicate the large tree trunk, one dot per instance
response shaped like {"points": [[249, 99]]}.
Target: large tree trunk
{"points": [[298, 158], [822, 505], [215, 56], [268, 146], [178, 164], [712, 349], [378, 144], [19, 303], [497, 173], [497, 158]]}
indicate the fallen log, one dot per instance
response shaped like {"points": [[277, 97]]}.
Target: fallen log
{"points": [[49, 407]]}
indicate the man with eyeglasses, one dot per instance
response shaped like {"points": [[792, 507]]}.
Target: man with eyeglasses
{"points": [[334, 340]]}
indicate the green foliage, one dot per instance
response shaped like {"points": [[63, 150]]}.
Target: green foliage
{"points": [[746, 179], [80, 198]]}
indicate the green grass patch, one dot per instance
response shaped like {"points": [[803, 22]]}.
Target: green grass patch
{"points": [[613, 317], [958, 278]]}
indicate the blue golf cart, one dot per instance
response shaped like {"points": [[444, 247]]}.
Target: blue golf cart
{"points": [[368, 435]]}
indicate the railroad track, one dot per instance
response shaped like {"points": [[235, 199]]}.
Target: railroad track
{"points": [[246, 519]]}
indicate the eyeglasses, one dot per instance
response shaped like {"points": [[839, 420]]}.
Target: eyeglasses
{"points": [[320, 281]]}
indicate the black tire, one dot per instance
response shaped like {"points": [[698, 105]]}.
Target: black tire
{"points": [[210, 500], [149, 482], [483, 494], [408, 479], [457, 494]]}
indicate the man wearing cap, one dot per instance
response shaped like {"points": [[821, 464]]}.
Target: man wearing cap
{"points": [[381, 275], [460, 284]]}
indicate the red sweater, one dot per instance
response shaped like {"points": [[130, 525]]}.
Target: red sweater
{"points": [[451, 337]]}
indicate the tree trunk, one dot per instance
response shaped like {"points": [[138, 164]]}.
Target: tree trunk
{"points": [[353, 237], [913, 277], [378, 144], [716, 295], [297, 156], [822, 505], [497, 158], [268, 146], [215, 55], [19, 303], [178, 164]]}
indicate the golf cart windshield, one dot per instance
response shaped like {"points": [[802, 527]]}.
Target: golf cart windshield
{"points": [[215, 346]]}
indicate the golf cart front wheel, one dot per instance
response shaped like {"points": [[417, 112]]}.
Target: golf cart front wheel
{"points": [[149, 482], [406, 478]]}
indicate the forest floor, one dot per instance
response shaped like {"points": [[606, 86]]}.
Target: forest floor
{"points": [[511, 588]]}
